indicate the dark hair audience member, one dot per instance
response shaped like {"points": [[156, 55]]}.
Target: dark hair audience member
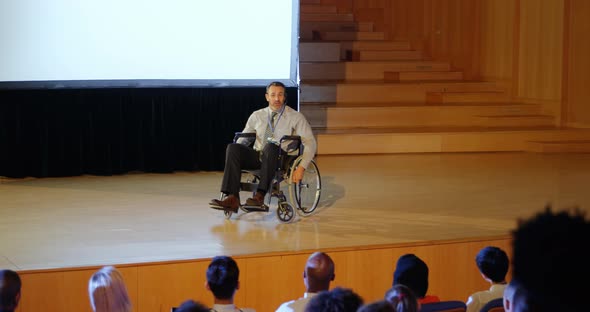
{"points": [[192, 306], [377, 306], [10, 285], [223, 279], [336, 300], [550, 261], [492, 263], [412, 272], [402, 299]]}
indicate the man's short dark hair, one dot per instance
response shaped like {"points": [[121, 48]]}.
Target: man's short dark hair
{"points": [[276, 84], [493, 263], [192, 306], [412, 272], [550, 260], [222, 276], [10, 285], [335, 300]]}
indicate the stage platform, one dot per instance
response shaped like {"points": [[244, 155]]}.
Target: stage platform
{"points": [[396, 201], [366, 200]]}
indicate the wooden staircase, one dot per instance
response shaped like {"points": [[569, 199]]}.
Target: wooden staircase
{"points": [[364, 94]]}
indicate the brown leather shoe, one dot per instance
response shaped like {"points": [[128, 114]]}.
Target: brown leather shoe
{"points": [[257, 200], [229, 203]]}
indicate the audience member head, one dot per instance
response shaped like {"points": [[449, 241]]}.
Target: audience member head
{"points": [[378, 306], [550, 262], [107, 291], [493, 263], [336, 300], [508, 297], [319, 272], [192, 306], [412, 272], [402, 299], [223, 277], [10, 286]]}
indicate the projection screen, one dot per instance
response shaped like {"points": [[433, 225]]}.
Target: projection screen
{"points": [[147, 43]]}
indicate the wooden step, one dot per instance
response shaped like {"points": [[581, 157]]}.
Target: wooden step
{"points": [[563, 146], [310, 30], [326, 17], [437, 140], [387, 55], [365, 70], [423, 76], [319, 51], [388, 92], [388, 115], [317, 8], [376, 45], [467, 97], [302, 2], [350, 35], [534, 120]]}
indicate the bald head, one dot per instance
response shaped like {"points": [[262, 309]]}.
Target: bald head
{"points": [[319, 272]]}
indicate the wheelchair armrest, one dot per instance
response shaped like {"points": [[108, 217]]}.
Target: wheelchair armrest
{"points": [[239, 135], [291, 137]]}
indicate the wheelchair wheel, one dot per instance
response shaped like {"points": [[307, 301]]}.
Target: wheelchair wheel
{"points": [[285, 212], [305, 195]]}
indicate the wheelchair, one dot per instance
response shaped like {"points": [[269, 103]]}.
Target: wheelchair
{"points": [[304, 196]]}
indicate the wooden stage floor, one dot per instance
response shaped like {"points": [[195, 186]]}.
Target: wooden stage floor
{"points": [[366, 200]]}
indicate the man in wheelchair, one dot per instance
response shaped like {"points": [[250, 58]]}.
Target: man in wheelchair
{"points": [[269, 124]]}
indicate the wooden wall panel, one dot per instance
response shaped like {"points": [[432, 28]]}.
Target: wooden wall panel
{"points": [[578, 72], [541, 52], [454, 34], [497, 39], [265, 280]]}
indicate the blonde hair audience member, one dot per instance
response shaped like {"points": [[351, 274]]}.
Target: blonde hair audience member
{"points": [[107, 291], [402, 298]]}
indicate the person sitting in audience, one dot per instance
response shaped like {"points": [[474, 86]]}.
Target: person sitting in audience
{"points": [[492, 263], [412, 272], [550, 262], [317, 275], [378, 306], [336, 300], [107, 291], [10, 286], [402, 299], [508, 297], [223, 281], [192, 306]]}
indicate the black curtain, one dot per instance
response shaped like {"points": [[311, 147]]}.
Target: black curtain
{"points": [[49, 133]]}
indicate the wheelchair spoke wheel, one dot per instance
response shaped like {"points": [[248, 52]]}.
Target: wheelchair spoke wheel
{"points": [[305, 195], [285, 212]]}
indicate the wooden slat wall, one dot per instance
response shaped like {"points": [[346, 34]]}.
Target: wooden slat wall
{"points": [[578, 70], [266, 280], [541, 53], [497, 27]]}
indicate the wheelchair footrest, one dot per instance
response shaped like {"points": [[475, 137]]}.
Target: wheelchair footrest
{"points": [[263, 208]]}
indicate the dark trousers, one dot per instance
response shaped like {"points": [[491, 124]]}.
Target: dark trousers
{"points": [[239, 157]]}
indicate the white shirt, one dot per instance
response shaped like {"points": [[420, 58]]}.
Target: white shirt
{"points": [[290, 122], [296, 305], [480, 298], [229, 308]]}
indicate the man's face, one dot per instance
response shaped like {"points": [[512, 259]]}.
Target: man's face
{"points": [[275, 97]]}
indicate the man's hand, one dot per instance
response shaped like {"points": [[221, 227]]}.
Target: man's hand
{"points": [[297, 174]]}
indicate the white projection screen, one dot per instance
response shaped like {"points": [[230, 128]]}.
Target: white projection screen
{"points": [[147, 43]]}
